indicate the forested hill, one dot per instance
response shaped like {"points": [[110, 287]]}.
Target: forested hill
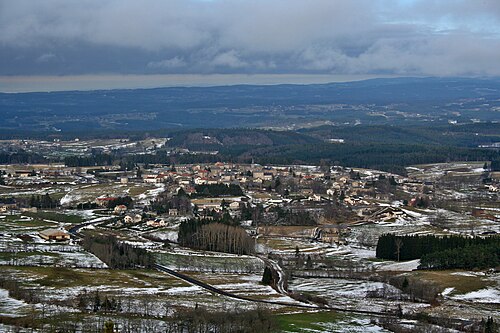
{"points": [[377, 101]]}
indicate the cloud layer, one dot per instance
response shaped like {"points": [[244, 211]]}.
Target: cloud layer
{"points": [[405, 37]]}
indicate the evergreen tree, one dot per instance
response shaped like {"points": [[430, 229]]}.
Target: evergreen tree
{"points": [[267, 277]]}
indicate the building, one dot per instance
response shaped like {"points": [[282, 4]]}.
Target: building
{"points": [[7, 207], [54, 234], [120, 209], [104, 201], [129, 219]]}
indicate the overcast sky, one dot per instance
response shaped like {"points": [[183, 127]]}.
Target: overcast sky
{"points": [[328, 37]]}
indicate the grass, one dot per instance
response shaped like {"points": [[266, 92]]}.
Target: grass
{"points": [[54, 216], [445, 279], [13, 223], [207, 263], [59, 277], [136, 190], [21, 255]]}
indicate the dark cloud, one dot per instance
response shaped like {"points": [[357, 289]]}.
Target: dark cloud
{"points": [[405, 37]]}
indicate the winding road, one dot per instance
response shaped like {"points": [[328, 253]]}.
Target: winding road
{"points": [[215, 290]]}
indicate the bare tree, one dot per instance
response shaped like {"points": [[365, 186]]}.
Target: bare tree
{"points": [[399, 244]]}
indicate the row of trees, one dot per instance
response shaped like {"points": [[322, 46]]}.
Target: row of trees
{"points": [[21, 157], [126, 200], [495, 165], [94, 302], [93, 160], [43, 201], [218, 190], [213, 235], [469, 257], [224, 238], [411, 247], [116, 254], [203, 321]]}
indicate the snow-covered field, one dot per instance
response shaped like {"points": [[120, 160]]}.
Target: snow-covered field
{"points": [[487, 295], [79, 258], [182, 259], [11, 307], [353, 294]]}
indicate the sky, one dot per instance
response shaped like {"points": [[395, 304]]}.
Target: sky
{"points": [[155, 41]]}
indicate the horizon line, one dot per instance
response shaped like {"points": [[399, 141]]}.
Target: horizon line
{"points": [[96, 82]]}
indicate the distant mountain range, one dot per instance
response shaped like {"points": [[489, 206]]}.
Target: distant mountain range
{"points": [[399, 101]]}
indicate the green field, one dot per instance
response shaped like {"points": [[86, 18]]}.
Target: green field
{"points": [[58, 217]]}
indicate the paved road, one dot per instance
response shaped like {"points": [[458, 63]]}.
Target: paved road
{"points": [[75, 230], [280, 284]]}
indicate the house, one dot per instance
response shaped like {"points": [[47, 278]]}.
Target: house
{"points": [[258, 175], [23, 173], [481, 213], [173, 212], [389, 213], [154, 179], [129, 219], [235, 205], [7, 207], [29, 210], [492, 188], [104, 201], [54, 234], [156, 223], [120, 209]]}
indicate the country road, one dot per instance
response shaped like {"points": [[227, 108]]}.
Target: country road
{"points": [[74, 230], [213, 289], [281, 283]]}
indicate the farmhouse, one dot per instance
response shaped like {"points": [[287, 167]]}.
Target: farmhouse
{"points": [[54, 234], [120, 209]]}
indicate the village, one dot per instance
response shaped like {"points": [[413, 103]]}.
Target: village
{"points": [[318, 226]]}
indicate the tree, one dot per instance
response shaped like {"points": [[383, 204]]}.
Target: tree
{"points": [[490, 326], [267, 277], [109, 327], [405, 284], [309, 263], [97, 302], [399, 244]]}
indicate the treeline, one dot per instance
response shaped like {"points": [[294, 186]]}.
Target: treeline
{"points": [[126, 201], [43, 201], [469, 257], [21, 157], [495, 165], [217, 190], [387, 157], [415, 246], [116, 254], [94, 302], [93, 160], [212, 235], [202, 321], [162, 157]]}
